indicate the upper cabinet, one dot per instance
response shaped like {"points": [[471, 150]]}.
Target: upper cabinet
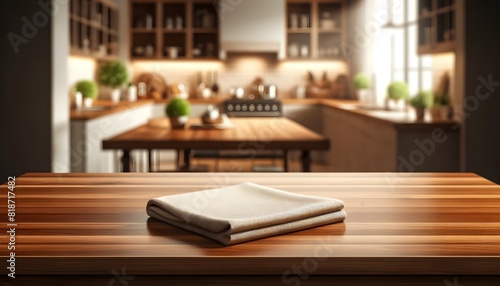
{"points": [[94, 29], [315, 28], [436, 26], [173, 29], [210, 29]]}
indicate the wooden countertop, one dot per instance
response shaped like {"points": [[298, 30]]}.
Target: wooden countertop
{"points": [[404, 121], [400, 120], [397, 224], [110, 108]]}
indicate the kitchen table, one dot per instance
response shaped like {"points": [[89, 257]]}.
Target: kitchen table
{"points": [[247, 136], [401, 229]]}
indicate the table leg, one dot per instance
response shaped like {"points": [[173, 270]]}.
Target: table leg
{"points": [[285, 160], [177, 159], [126, 161], [187, 160], [306, 161], [150, 161]]}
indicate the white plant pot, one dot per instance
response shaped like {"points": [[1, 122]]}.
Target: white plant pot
{"points": [[78, 100], [87, 102], [132, 94], [116, 95], [365, 97], [178, 122]]}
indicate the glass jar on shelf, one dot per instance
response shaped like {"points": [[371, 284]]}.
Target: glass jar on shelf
{"points": [[304, 21], [326, 21], [293, 50], [304, 51], [294, 21]]}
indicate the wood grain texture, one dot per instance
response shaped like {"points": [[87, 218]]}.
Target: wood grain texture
{"points": [[132, 280], [248, 135], [444, 224]]}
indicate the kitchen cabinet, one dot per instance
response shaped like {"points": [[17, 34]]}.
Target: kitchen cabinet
{"points": [[309, 116], [87, 135], [361, 141], [436, 26], [315, 28], [94, 29], [173, 29]]}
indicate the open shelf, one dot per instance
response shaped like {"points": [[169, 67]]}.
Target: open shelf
{"points": [[436, 26], [315, 29], [94, 29], [187, 29]]}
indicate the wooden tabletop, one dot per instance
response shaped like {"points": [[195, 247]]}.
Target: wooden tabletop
{"points": [[411, 224], [247, 133]]}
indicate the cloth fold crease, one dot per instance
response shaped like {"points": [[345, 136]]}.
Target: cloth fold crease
{"points": [[245, 212]]}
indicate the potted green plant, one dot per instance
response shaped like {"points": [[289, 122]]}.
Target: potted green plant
{"points": [[440, 108], [397, 95], [88, 90], [178, 111], [422, 101], [362, 84], [114, 75]]}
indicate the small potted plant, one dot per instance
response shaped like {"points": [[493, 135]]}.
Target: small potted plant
{"points": [[440, 108], [362, 84], [88, 90], [422, 101], [397, 95], [114, 75], [178, 111]]}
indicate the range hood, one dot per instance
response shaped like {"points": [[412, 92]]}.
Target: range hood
{"points": [[252, 26]]}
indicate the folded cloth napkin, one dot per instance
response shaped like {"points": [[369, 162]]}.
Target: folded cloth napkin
{"points": [[245, 212]]}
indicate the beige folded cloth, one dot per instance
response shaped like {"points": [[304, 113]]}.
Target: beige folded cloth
{"points": [[245, 212]]}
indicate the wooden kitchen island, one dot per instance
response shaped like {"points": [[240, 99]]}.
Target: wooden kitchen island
{"points": [[401, 229], [246, 136]]}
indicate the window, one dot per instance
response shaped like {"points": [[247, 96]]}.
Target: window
{"points": [[395, 50]]}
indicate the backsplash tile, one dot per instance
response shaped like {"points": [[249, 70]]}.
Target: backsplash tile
{"points": [[242, 70]]}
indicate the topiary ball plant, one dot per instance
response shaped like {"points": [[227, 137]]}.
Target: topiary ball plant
{"points": [[178, 110], [178, 107], [88, 88], [441, 100], [398, 90], [362, 81], [113, 74], [424, 99]]}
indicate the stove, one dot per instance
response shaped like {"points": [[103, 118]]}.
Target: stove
{"points": [[253, 108], [247, 108]]}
